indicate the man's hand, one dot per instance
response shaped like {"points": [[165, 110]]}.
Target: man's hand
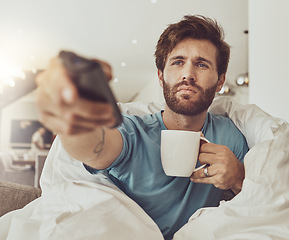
{"points": [[62, 110], [225, 170]]}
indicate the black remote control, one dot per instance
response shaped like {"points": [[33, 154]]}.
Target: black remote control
{"points": [[90, 80]]}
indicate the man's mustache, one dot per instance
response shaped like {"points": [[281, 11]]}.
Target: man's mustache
{"points": [[185, 83]]}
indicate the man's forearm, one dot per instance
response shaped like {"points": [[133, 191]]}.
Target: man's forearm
{"points": [[85, 147], [97, 149]]}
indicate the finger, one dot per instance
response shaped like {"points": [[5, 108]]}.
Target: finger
{"points": [[59, 126], [69, 92], [76, 116], [82, 110], [207, 180], [56, 83], [51, 122], [89, 123], [106, 68], [207, 158], [72, 120], [82, 107], [89, 114], [217, 180], [201, 174], [92, 109], [210, 148]]}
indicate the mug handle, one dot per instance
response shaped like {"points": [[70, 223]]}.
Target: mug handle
{"points": [[204, 165], [204, 139]]}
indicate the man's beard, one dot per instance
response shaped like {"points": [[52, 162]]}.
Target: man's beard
{"points": [[183, 105]]}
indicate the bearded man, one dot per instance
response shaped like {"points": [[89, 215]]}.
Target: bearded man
{"points": [[192, 59]]}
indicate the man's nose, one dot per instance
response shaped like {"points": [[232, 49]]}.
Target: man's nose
{"points": [[189, 73]]}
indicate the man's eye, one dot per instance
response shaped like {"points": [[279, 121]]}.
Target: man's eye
{"points": [[202, 65], [177, 63]]}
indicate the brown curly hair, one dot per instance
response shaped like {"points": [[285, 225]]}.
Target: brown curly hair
{"points": [[196, 27]]}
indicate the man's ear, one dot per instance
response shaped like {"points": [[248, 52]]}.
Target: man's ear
{"points": [[161, 77], [221, 82]]}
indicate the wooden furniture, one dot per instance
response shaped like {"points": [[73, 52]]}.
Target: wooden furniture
{"points": [[19, 170], [23, 162], [15, 173]]}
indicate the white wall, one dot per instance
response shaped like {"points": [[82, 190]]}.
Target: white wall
{"points": [[152, 92], [268, 56], [33, 31]]}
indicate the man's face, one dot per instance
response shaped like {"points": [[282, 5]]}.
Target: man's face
{"points": [[190, 77]]}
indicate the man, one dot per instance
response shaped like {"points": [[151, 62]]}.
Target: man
{"points": [[37, 142], [192, 60]]}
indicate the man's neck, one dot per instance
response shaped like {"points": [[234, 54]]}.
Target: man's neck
{"points": [[175, 121]]}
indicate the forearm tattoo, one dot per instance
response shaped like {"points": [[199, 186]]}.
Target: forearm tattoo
{"points": [[100, 146]]}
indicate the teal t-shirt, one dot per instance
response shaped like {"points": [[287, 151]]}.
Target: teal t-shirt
{"points": [[138, 172]]}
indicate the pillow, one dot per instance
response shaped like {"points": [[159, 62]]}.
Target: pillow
{"points": [[255, 124]]}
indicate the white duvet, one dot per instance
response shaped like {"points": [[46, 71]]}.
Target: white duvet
{"points": [[77, 205], [261, 210]]}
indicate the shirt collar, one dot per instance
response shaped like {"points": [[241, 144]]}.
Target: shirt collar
{"points": [[163, 126]]}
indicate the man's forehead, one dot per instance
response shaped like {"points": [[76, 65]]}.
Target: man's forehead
{"points": [[199, 49]]}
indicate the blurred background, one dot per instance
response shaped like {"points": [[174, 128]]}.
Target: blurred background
{"points": [[122, 32], [125, 33]]}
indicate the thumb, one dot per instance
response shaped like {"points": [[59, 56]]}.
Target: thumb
{"points": [[69, 94], [106, 68], [68, 90]]}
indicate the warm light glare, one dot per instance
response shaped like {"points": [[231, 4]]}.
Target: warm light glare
{"points": [[242, 79], [246, 80], [8, 73], [12, 83], [224, 90]]}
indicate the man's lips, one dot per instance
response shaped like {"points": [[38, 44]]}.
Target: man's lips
{"points": [[186, 89]]}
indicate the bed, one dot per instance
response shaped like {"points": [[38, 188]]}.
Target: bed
{"points": [[77, 205]]}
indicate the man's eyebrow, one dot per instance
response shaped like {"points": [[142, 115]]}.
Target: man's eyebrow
{"points": [[176, 57], [198, 59]]}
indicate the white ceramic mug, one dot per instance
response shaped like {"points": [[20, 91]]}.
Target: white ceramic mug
{"points": [[179, 152]]}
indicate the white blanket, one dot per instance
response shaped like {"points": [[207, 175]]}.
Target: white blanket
{"points": [[261, 210], [77, 205]]}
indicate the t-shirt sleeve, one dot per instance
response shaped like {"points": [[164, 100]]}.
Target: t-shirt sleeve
{"points": [[129, 131], [240, 146], [221, 130], [241, 150]]}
